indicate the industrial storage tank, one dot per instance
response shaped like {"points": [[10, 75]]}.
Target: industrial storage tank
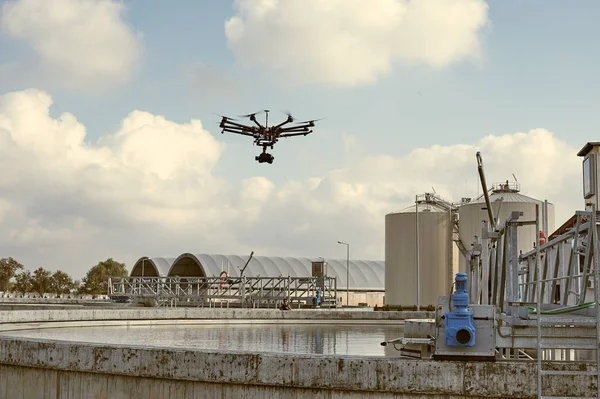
{"points": [[437, 253], [504, 199]]}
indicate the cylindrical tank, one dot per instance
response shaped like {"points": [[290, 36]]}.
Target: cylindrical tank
{"points": [[437, 255], [504, 199]]}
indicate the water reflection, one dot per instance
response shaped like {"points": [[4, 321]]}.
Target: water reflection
{"points": [[283, 338]]}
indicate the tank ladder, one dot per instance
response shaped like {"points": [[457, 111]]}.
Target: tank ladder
{"points": [[591, 259]]}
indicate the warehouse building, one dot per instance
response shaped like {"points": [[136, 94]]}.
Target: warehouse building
{"points": [[364, 285]]}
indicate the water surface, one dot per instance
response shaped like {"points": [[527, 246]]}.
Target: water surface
{"points": [[279, 338]]}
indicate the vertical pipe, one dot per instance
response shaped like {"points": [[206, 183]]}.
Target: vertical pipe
{"points": [[515, 266], [485, 272], [539, 301], [508, 264], [418, 259], [596, 253], [450, 271], [546, 226], [347, 274]]}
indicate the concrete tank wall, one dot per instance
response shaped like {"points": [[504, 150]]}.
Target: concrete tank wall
{"points": [[38, 368], [473, 213], [437, 256], [31, 369]]}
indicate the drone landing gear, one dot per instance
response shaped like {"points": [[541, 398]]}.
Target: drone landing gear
{"points": [[264, 157]]}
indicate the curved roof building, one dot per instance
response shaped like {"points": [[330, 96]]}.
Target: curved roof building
{"points": [[364, 274], [152, 267]]}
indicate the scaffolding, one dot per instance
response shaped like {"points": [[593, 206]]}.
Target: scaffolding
{"points": [[225, 291]]}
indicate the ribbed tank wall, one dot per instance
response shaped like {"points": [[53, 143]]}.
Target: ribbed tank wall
{"points": [[472, 214], [436, 257]]}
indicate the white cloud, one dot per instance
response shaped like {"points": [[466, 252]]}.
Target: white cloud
{"points": [[82, 44], [150, 189], [353, 42]]}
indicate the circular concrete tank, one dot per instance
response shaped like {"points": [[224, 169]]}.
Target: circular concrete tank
{"points": [[504, 199], [436, 255]]}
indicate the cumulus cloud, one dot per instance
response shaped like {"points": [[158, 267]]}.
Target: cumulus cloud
{"points": [[150, 188], [353, 42], [82, 44]]}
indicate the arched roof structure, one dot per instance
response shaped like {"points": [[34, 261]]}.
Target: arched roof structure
{"points": [[363, 274], [152, 267]]}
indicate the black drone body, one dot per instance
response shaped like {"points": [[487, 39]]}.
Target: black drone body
{"points": [[264, 135]]}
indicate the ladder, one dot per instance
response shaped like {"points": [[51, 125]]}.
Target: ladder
{"points": [[594, 252]]}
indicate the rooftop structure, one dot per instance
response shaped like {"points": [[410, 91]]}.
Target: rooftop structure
{"points": [[367, 275]]}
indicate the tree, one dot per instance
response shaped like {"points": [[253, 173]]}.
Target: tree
{"points": [[23, 282], [42, 280], [96, 280], [61, 283], [8, 269]]}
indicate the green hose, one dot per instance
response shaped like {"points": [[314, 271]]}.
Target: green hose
{"points": [[563, 310]]}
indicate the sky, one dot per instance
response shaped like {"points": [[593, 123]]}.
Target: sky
{"points": [[110, 144]]}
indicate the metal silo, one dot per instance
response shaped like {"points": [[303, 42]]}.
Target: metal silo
{"points": [[436, 257], [504, 199]]}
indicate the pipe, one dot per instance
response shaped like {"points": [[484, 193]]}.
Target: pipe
{"points": [[418, 253], [563, 310], [546, 219], [485, 190]]}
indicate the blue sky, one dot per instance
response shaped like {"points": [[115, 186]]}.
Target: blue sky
{"points": [[537, 68]]}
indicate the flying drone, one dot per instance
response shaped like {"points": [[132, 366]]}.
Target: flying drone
{"points": [[265, 135]]}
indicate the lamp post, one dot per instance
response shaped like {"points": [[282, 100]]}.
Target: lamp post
{"points": [[347, 271]]}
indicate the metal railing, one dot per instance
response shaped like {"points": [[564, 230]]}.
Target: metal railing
{"points": [[566, 267], [241, 291]]}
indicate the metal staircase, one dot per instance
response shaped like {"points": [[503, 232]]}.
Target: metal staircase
{"points": [[585, 234]]}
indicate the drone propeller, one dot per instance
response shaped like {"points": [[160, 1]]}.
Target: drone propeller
{"points": [[289, 114], [253, 114], [225, 117], [313, 120]]}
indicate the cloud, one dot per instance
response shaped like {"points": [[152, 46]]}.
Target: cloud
{"points": [[80, 44], [353, 42], [150, 188]]}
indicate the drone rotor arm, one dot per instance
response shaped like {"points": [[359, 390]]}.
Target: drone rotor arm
{"points": [[295, 129], [234, 125], [296, 134], [258, 124], [303, 125], [238, 132], [281, 124]]}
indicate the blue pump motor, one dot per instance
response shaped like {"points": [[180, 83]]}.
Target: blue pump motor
{"points": [[459, 323]]}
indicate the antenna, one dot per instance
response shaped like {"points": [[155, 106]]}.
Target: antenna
{"points": [[433, 190], [266, 118], [515, 177]]}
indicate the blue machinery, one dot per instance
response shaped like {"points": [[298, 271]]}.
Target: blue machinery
{"points": [[459, 323]]}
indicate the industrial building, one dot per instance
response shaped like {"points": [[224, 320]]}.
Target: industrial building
{"points": [[362, 283], [419, 270], [426, 244], [431, 220]]}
